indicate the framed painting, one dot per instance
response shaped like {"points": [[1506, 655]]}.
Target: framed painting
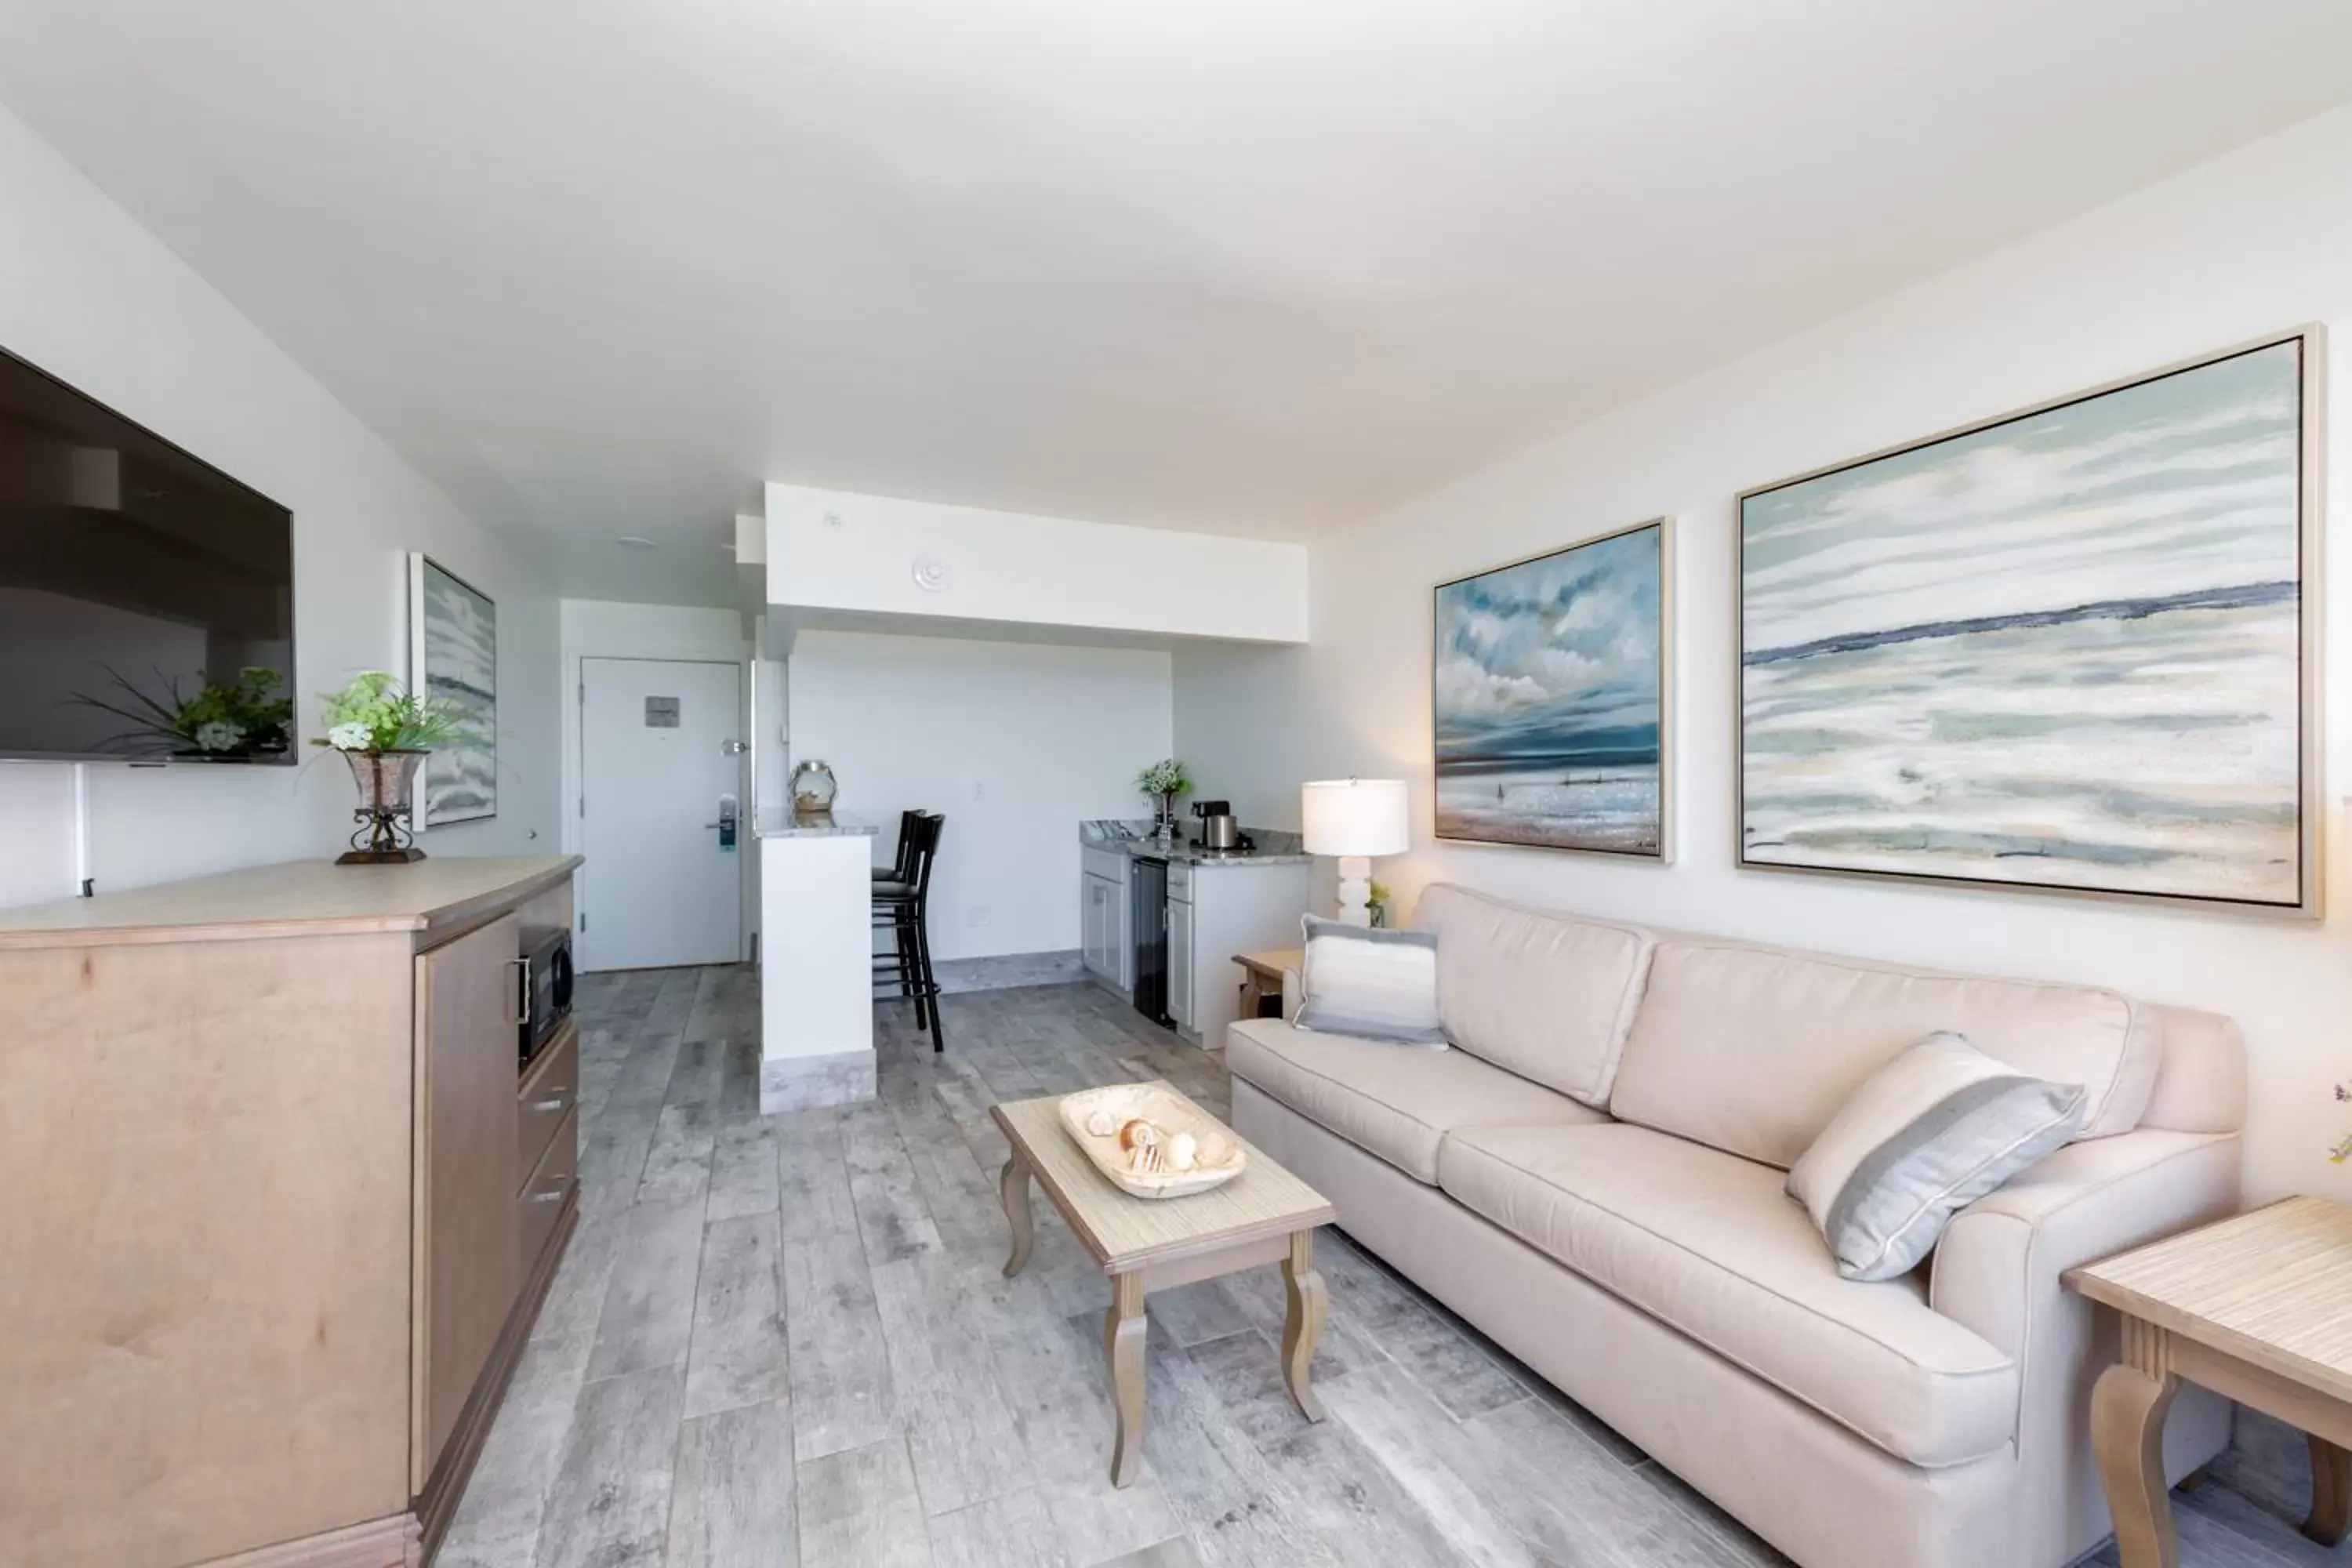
{"points": [[2073, 647], [453, 643], [1551, 686]]}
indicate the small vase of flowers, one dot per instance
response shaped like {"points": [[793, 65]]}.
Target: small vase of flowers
{"points": [[1164, 781], [386, 731]]}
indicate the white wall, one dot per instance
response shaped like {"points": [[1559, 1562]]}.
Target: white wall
{"points": [[830, 550], [89, 296], [1014, 742], [603, 629], [2249, 243]]}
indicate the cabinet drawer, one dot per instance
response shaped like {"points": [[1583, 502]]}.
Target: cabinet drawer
{"points": [[1103, 863], [542, 1197], [1180, 879], [550, 1092]]}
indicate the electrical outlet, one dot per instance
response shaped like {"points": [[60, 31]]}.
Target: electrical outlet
{"points": [[979, 789], [978, 916]]}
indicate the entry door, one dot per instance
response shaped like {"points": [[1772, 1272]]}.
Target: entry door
{"points": [[658, 774]]}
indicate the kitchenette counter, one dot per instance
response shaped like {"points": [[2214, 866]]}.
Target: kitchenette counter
{"points": [[781, 822], [1273, 847]]}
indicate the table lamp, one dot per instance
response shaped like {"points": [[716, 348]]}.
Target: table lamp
{"points": [[1355, 819]]}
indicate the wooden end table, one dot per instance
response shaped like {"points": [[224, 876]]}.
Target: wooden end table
{"points": [[1261, 975], [2257, 1308], [1265, 1214]]}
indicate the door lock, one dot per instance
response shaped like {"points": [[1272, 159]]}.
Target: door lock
{"points": [[726, 823]]}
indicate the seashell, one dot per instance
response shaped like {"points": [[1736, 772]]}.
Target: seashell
{"points": [[1100, 1124], [1183, 1152], [1137, 1135]]}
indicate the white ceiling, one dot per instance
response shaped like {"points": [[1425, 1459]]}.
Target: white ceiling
{"points": [[601, 266]]}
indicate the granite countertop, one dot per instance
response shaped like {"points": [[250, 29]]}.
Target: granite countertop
{"points": [[777, 822], [1275, 847]]}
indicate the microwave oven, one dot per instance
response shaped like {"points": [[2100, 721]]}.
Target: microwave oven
{"points": [[546, 985]]}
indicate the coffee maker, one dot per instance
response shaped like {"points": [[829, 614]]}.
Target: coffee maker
{"points": [[1220, 828]]}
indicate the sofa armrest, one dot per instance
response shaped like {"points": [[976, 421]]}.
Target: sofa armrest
{"points": [[2001, 1258], [1998, 1271]]}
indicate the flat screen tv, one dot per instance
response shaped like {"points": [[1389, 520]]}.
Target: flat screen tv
{"points": [[146, 598]]}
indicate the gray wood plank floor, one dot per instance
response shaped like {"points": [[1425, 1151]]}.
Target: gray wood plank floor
{"points": [[786, 1340]]}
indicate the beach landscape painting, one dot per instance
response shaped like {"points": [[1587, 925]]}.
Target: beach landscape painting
{"points": [[2069, 648], [454, 640], [1551, 688]]}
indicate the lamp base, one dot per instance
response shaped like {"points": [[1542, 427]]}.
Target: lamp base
{"points": [[1356, 890]]}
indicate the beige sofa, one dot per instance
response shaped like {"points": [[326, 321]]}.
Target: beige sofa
{"points": [[1593, 1177]]}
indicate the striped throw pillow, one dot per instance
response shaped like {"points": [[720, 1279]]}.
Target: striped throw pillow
{"points": [[1373, 984], [1924, 1137]]}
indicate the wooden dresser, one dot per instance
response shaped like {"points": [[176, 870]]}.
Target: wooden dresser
{"points": [[276, 1209]]}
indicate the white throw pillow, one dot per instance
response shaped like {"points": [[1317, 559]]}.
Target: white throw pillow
{"points": [[1372, 984], [1924, 1136]]}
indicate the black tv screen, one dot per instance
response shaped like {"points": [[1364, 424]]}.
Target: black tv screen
{"points": [[146, 598]]}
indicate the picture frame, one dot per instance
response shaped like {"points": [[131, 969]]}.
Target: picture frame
{"points": [[1560, 735], [453, 651], [2248, 840]]}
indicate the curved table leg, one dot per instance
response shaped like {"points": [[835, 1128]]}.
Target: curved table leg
{"points": [[1014, 1186], [2331, 1492], [2127, 1410], [1302, 1324], [1124, 1327]]}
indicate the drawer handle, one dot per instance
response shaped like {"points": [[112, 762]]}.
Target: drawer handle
{"points": [[554, 1104], [554, 1198]]}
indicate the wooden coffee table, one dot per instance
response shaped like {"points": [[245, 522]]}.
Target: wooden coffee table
{"points": [[2258, 1309], [1263, 1216]]}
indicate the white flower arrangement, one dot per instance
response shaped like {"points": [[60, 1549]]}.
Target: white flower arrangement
{"points": [[219, 736], [351, 737]]}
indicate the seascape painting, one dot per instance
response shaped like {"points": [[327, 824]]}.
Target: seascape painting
{"points": [[2065, 650], [1550, 686], [455, 627]]}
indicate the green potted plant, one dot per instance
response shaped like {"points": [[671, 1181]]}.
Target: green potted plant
{"points": [[385, 732], [1164, 781]]}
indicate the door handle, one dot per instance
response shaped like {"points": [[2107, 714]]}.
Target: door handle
{"points": [[522, 1014]]}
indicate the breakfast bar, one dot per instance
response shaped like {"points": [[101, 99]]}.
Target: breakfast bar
{"points": [[816, 1008]]}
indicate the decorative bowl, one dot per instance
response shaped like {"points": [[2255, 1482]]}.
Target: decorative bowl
{"points": [[1221, 1157]]}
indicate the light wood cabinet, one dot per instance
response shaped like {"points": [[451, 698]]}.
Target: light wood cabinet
{"points": [[279, 1212], [550, 1092], [468, 1012]]}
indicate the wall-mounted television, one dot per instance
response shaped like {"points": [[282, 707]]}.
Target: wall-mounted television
{"points": [[146, 598]]}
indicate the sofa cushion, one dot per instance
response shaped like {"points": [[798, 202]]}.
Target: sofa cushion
{"points": [[1752, 1050], [1708, 1242], [1924, 1137], [1394, 1101], [1373, 984], [1546, 995]]}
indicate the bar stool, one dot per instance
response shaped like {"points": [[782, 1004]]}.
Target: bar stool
{"points": [[903, 907]]}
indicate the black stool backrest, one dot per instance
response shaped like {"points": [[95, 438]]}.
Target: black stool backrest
{"points": [[902, 867], [922, 832]]}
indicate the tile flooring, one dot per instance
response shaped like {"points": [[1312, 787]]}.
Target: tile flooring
{"points": [[786, 1340]]}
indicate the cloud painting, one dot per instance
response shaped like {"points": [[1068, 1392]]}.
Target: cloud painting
{"points": [[1550, 687], [2061, 650]]}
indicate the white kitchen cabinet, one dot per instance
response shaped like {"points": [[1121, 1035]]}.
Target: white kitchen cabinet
{"points": [[1181, 966], [1103, 941], [1223, 908], [1094, 922]]}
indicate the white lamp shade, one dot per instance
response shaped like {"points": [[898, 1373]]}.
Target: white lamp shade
{"points": [[1355, 816]]}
